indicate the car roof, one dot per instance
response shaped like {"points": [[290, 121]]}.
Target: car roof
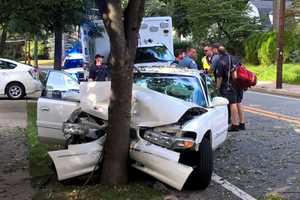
{"points": [[169, 70]]}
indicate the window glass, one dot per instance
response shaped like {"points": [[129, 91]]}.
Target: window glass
{"points": [[59, 82], [212, 91], [73, 63], [153, 54], [7, 65], [186, 88]]}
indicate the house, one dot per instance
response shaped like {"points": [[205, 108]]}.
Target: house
{"points": [[263, 9]]}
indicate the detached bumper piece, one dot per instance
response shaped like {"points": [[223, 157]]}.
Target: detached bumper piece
{"points": [[152, 159]]}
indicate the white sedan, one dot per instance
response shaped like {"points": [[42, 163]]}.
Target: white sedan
{"points": [[17, 80], [177, 122]]}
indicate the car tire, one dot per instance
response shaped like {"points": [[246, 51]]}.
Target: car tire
{"points": [[15, 91], [201, 176]]}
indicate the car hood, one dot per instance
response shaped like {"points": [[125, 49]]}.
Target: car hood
{"points": [[149, 108]]}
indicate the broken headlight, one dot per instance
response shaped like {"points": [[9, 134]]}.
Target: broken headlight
{"points": [[73, 129], [168, 141]]}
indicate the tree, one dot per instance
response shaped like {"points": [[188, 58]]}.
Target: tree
{"points": [[223, 21], [123, 26], [59, 16], [156, 8], [175, 8], [180, 15], [6, 10]]}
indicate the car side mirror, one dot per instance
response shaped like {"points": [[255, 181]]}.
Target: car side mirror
{"points": [[219, 101]]}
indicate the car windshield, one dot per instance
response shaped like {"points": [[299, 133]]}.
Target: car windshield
{"points": [[153, 54], [186, 88]]}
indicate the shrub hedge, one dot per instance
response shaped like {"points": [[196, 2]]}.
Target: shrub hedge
{"points": [[260, 48]]}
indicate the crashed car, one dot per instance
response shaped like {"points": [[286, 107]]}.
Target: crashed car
{"points": [[177, 121]]}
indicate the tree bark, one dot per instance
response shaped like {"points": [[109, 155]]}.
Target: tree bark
{"points": [[3, 40], [35, 51], [58, 34], [122, 30]]}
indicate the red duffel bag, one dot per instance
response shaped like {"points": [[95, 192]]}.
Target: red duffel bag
{"points": [[244, 78]]}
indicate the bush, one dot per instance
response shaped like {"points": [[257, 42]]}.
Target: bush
{"points": [[260, 48], [252, 44], [267, 50]]}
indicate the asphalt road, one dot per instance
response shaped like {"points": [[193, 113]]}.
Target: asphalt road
{"points": [[263, 159], [278, 104]]}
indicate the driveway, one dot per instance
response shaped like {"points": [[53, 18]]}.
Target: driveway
{"points": [[14, 165]]}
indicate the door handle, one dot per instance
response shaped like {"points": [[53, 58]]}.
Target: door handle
{"points": [[45, 109]]}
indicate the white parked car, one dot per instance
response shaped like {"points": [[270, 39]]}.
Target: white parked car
{"points": [[177, 122], [17, 80]]}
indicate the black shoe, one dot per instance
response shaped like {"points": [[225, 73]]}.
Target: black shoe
{"points": [[242, 126], [233, 128]]}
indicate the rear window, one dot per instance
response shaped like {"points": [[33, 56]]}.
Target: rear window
{"points": [[73, 63], [7, 65]]}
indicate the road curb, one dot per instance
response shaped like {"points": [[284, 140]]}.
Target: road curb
{"points": [[276, 92]]}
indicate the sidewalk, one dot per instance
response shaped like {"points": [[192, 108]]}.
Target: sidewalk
{"points": [[270, 87]]}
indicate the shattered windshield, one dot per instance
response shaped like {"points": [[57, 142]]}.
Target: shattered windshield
{"points": [[186, 88]]}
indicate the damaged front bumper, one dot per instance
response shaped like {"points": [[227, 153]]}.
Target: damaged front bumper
{"points": [[152, 159]]}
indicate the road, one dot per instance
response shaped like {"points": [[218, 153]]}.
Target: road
{"points": [[14, 166], [278, 104], [263, 159]]}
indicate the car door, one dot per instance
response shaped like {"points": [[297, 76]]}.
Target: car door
{"points": [[2, 80], [219, 115], [53, 109], [5, 68]]}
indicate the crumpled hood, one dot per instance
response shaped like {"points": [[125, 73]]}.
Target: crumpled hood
{"points": [[149, 108]]}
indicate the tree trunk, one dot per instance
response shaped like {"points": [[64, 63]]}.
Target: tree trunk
{"points": [[123, 38], [35, 51], [3, 40], [58, 49]]}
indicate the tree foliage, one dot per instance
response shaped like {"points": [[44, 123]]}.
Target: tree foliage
{"points": [[223, 21]]}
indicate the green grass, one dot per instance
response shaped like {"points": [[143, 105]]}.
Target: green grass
{"points": [[53, 190], [291, 73], [273, 196], [38, 159]]}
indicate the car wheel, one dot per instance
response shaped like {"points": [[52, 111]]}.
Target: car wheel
{"points": [[201, 176], [15, 91]]}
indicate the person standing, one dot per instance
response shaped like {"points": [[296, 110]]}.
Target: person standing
{"points": [[225, 73], [189, 59], [206, 60], [215, 59], [179, 55], [99, 71]]}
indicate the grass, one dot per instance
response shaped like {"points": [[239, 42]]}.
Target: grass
{"points": [[50, 188], [291, 73], [273, 196]]}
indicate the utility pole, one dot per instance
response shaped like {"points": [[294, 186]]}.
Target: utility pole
{"points": [[280, 42], [275, 15]]}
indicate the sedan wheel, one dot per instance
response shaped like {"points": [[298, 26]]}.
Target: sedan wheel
{"points": [[15, 91]]}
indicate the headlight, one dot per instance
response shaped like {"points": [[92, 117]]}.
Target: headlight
{"points": [[73, 129], [171, 142]]}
